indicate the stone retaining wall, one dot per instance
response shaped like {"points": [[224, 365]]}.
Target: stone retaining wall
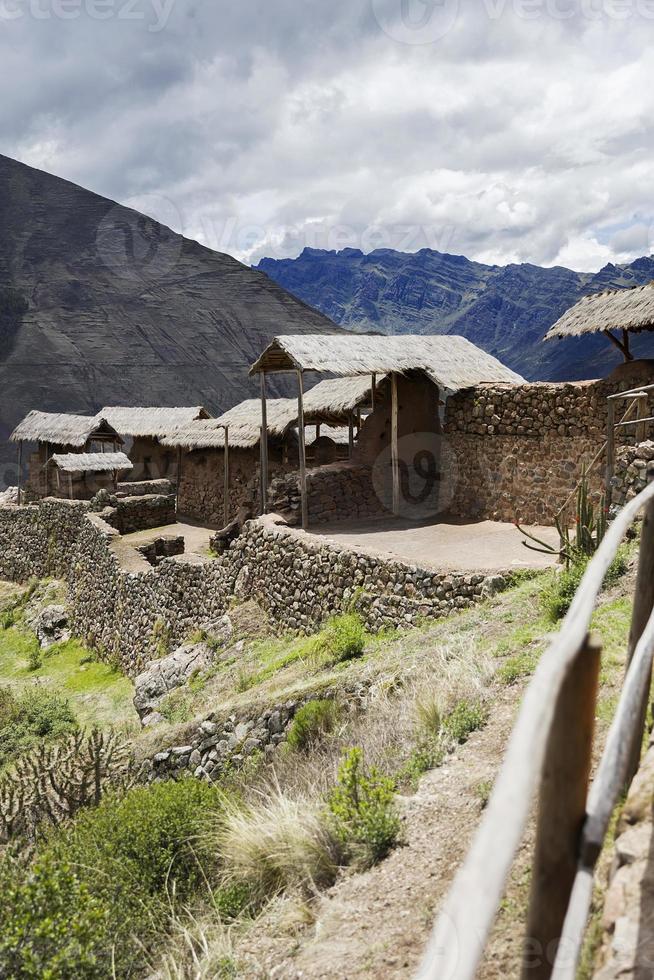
{"points": [[632, 465], [143, 512], [337, 491], [135, 613]]}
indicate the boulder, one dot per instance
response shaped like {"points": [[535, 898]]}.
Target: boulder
{"points": [[164, 675], [51, 626]]}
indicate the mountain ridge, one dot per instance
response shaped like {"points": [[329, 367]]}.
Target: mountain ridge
{"points": [[505, 309]]}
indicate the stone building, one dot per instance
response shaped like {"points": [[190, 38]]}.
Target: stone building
{"points": [[62, 434], [79, 476], [143, 430]]}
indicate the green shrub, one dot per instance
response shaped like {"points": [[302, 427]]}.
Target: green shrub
{"points": [[363, 811], [103, 886], [312, 720], [428, 754], [559, 591], [33, 717], [516, 667], [342, 638], [465, 718]]}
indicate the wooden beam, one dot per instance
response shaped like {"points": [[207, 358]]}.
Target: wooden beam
{"points": [[610, 453], [622, 345], [373, 391], [263, 446], [20, 470], [303, 457], [395, 461], [641, 415], [561, 812], [226, 479], [70, 475], [350, 435]]}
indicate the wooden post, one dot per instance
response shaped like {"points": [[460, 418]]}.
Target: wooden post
{"points": [[226, 478], [20, 470], [303, 457], [610, 452], [263, 446], [641, 413], [70, 477], [642, 610], [561, 812], [317, 432], [179, 476], [350, 435], [395, 462], [373, 392]]}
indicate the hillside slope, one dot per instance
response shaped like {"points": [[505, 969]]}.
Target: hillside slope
{"points": [[504, 309], [101, 305]]}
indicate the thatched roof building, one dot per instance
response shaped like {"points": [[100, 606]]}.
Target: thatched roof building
{"points": [[59, 429], [90, 462], [151, 423], [334, 400], [627, 310], [450, 361], [243, 423]]}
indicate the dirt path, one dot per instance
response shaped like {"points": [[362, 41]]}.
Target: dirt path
{"points": [[375, 924]]}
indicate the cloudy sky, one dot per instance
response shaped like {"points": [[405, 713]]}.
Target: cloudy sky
{"points": [[505, 130]]}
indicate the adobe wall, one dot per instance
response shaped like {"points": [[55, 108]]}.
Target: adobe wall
{"points": [[152, 461], [518, 451]]}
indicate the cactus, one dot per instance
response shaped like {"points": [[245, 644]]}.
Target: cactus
{"points": [[589, 529]]}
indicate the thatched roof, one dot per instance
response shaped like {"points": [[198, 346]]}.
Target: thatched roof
{"points": [[243, 422], [333, 400], [60, 429], [450, 361], [614, 309], [151, 423], [90, 462], [337, 433]]}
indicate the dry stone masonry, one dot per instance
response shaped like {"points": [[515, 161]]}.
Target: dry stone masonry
{"points": [[334, 492]]}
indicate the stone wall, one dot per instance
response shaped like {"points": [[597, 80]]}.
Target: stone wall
{"points": [[132, 612], [337, 491], [143, 512], [632, 466], [627, 950], [517, 452]]}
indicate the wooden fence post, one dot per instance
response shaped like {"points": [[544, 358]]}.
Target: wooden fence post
{"points": [[610, 452], [642, 610], [561, 812]]}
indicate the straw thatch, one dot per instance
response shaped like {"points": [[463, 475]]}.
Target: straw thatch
{"points": [[151, 423], [332, 401], [450, 361], [243, 422], [615, 309], [90, 462], [60, 429], [337, 433]]}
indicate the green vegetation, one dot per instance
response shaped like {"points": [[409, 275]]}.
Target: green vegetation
{"points": [[102, 889], [30, 718], [363, 811], [311, 722], [464, 719], [560, 589]]}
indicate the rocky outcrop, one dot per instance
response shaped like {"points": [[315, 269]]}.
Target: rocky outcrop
{"points": [[51, 625], [634, 467]]}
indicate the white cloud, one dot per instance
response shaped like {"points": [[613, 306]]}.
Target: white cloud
{"points": [[266, 127]]}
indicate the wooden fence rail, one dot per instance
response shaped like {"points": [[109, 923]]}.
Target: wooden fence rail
{"points": [[549, 753]]}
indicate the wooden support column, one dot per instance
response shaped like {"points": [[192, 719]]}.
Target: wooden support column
{"points": [[303, 457], [561, 813], [70, 483], [350, 436], [226, 479], [610, 452], [642, 610], [395, 461], [263, 445], [179, 476], [373, 391], [641, 413], [20, 470]]}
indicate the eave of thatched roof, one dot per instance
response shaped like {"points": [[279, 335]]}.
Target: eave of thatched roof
{"points": [[333, 400], [90, 462], [151, 423], [243, 423], [614, 309], [450, 361], [337, 433], [60, 429]]}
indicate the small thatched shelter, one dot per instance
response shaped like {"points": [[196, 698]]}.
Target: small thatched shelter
{"points": [[56, 431], [86, 473], [449, 362], [624, 310], [146, 428]]}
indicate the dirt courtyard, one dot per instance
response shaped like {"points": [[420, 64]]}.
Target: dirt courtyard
{"points": [[485, 546]]}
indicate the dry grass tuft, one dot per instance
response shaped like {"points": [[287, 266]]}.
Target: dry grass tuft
{"points": [[199, 950]]}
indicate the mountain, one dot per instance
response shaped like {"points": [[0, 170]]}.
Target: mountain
{"points": [[504, 309], [102, 305]]}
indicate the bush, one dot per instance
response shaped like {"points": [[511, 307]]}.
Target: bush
{"points": [[275, 845], [312, 720], [342, 638], [33, 717], [559, 591], [363, 811], [465, 718], [101, 887]]}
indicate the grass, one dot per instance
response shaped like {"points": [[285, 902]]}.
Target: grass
{"points": [[96, 692]]}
